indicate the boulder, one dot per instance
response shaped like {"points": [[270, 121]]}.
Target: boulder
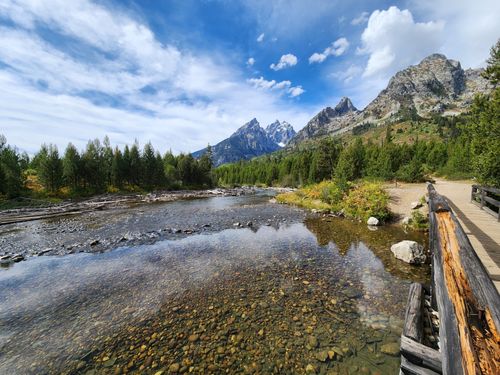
{"points": [[373, 221], [409, 252]]}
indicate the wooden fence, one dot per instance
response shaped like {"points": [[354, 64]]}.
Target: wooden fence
{"points": [[486, 198], [466, 299]]}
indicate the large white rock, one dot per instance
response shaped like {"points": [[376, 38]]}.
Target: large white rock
{"points": [[373, 221], [409, 252]]}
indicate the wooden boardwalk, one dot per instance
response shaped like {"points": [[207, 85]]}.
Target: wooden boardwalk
{"points": [[482, 229]]}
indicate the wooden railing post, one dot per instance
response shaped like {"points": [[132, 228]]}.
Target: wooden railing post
{"points": [[468, 302]]}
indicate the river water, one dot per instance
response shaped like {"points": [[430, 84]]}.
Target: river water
{"points": [[319, 296]]}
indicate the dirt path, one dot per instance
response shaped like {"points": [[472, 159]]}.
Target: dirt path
{"points": [[402, 197], [481, 228]]}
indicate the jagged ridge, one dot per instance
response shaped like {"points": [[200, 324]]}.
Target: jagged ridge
{"points": [[435, 85], [249, 141]]}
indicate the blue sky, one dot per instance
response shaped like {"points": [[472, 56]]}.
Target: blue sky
{"points": [[186, 73]]}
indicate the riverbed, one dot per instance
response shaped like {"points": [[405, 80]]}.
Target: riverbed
{"points": [[228, 285]]}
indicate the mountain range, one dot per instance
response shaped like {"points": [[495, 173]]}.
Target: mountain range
{"points": [[249, 141], [437, 85]]}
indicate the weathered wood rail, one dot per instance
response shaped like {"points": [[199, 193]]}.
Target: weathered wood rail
{"points": [[486, 198], [417, 358], [466, 299]]}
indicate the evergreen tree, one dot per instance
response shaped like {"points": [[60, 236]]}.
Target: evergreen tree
{"points": [[72, 167], [51, 169], [93, 166], [11, 180], [107, 159], [135, 171], [118, 169]]}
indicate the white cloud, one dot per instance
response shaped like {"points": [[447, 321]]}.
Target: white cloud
{"points": [[191, 100], [361, 19], [347, 75], [393, 40], [471, 27], [285, 62], [336, 49], [296, 91], [260, 38], [283, 86], [251, 61]]}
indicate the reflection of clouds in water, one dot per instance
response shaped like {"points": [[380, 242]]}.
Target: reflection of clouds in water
{"points": [[65, 301]]}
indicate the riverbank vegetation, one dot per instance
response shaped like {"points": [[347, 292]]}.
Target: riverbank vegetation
{"points": [[462, 146], [353, 200], [98, 169], [455, 147]]}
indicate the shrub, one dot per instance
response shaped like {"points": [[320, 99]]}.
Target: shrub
{"points": [[419, 221], [365, 200]]}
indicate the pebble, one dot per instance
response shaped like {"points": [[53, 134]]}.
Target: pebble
{"points": [[174, 367]]}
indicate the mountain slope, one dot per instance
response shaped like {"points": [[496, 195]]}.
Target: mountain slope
{"points": [[436, 85], [249, 141]]}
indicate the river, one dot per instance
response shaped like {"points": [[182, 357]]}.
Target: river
{"points": [[282, 294]]}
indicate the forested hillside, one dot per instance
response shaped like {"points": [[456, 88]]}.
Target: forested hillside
{"points": [[462, 146]]}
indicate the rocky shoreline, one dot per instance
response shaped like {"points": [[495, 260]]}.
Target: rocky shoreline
{"points": [[119, 221]]}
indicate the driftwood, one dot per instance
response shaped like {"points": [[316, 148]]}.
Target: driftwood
{"points": [[468, 302], [421, 355], [409, 368], [417, 358], [413, 327]]}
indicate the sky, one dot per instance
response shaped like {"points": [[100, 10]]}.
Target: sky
{"points": [[186, 73]]}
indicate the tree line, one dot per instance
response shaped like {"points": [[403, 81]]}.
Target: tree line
{"points": [[471, 149], [100, 168]]}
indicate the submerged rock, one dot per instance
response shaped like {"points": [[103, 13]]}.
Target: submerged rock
{"points": [[409, 252], [391, 348]]}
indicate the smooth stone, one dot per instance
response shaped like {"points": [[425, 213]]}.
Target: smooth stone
{"points": [[310, 369], [373, 221], [409, 252], [390, 349], [174, 367], [193, 338], [322, 356]]}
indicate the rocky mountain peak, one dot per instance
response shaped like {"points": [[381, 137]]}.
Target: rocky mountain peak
{"points": [[249, 141], [437, 85], [280, 132], [344, 106]]}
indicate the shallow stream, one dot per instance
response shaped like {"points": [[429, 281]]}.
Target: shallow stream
{"points": [[324, 296]]}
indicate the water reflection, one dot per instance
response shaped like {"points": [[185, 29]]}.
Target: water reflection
{"points": [[269, 300]]}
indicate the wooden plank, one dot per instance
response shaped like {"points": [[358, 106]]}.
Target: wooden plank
{"points": [[448, 328], [467, 300], [409, 368], [421, 355], [413, 327], [490, 189], [492, 201]]}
